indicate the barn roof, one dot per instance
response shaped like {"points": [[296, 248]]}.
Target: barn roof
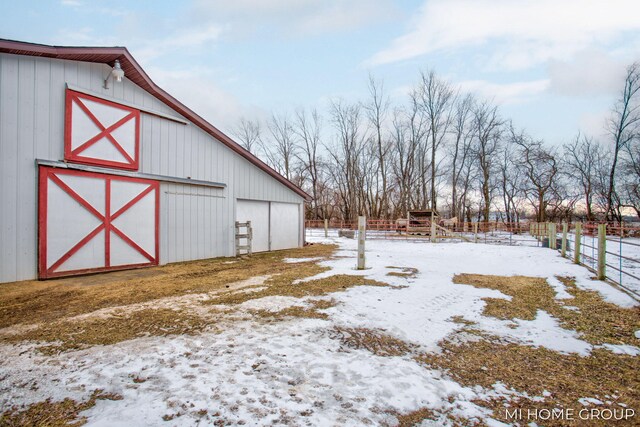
{"points": [[135, 73]]}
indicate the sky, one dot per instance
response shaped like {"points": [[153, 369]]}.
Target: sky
{"points": [[554, 66]]}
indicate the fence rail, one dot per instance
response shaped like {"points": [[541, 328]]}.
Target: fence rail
{"points": [[611, 250]]}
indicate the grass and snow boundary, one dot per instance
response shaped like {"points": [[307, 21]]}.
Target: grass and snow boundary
{"points": [[294, 371]]}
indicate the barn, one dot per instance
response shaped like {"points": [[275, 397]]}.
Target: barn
{"points": [[102, 170]]}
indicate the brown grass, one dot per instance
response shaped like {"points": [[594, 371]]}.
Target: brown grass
{"points": [[53, 414], [598, 321], [413, 418], [35, 302], [299, 311], [528, 294], [534, 370], [74, 335], [375, 341], [567, 377], [283, 285], [406, 272]]}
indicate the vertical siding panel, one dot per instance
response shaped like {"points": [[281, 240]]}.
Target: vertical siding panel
{"points": [[173, 148], [164, 147], [8, 166], [26, 189], [84, 75], [43, 131], [55, 139]]}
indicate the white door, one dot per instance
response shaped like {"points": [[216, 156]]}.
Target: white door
{"points": [[92, 222], [258, 213], [285, 225]]}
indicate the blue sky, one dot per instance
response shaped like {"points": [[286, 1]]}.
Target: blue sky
{"points": [[555, 67]]}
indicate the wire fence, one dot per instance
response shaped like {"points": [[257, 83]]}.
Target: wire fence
{"points": [[620, 260], [421, 230], [620, 253]]}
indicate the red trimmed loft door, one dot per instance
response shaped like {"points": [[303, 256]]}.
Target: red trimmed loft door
{"points": [[91, 222], [100, 132]]}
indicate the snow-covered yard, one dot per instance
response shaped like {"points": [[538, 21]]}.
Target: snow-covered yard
{"points": [[248, 367]]}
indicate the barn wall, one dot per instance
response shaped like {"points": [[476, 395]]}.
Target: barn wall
{"points": [[32, 94]]}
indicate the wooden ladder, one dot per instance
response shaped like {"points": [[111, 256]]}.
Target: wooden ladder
{"points": [[247, 234]]}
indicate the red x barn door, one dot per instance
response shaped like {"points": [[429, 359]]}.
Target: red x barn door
{"points": [[101, 132], [91, 222]]}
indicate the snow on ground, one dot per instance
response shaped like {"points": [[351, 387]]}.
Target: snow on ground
{"points": [[258, 373]]}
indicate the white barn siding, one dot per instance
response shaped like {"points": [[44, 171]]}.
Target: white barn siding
{"points": [[196, 222]]}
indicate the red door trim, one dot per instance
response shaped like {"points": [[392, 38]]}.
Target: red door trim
{"points": [[76, 156], [48, 173]]}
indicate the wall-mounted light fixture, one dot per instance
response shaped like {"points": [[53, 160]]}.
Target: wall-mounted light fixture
{"points": [[117, 73]]}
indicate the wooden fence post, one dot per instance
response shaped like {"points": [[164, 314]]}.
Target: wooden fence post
{"points": [[362, 231], [577, 243], [565, 229], [551, 226], [433, 230], [602, 251], [475, 232], [326, 227]]}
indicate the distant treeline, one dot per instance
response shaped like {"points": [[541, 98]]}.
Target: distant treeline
{"points": [[449, 150]]}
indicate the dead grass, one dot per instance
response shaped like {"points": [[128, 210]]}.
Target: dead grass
{"points": [[74, 335], [597, 321], [46, 301], [299, 311], [283, 285], [568, 377], [413, 418], [535, 370], [53, 414], [528, 294], [406, 272], [375, 341]]}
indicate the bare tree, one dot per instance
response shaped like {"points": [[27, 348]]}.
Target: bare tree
{"points": [[280, 149], [583, 159], [346, 156], [623, 127], [487, 130], [376, 110], [512, 183], [631, 176], [307, 128], [541, 168], [437, 100], [248, 132], [460, 148]]}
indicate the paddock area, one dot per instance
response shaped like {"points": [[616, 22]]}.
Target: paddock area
{"points": [[428, 334]]}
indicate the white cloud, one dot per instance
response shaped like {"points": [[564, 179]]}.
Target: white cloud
{"points": [[190, 40], [196, 89], [594, 123], [73, 3], [592, 72], [505, 93], [520, 33], [294, 17]]}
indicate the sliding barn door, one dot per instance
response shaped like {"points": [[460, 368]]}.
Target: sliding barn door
{"points": [[90, 222]]}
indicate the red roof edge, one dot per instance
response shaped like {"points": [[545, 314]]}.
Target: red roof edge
{"points": [[135, 73]]}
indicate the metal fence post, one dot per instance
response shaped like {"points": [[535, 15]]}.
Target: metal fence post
{"points": [[602, 251], [362, 231], [326, 227], [565, 229], [577, 244]]}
